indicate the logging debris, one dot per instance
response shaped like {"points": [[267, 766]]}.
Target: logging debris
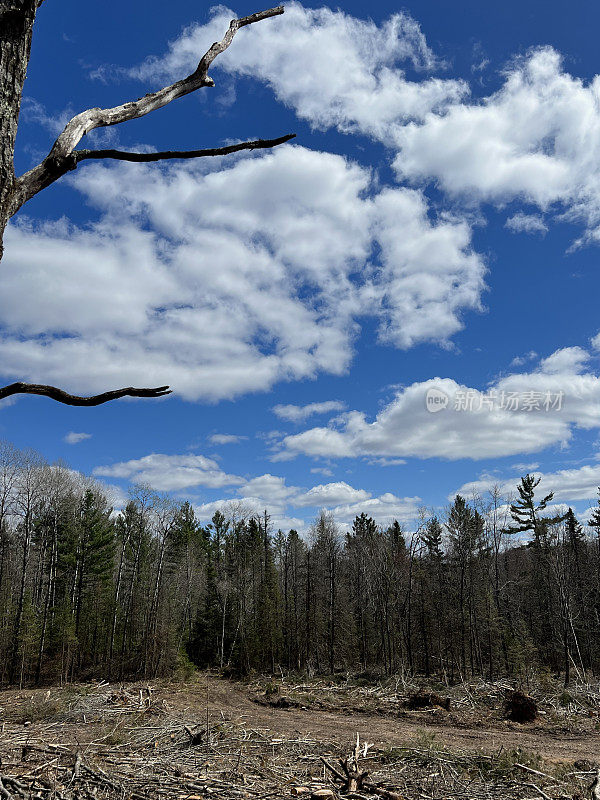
{"points": [[138, 742]]}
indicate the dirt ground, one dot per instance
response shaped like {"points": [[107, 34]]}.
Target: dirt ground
{"points": [[267, 738], [546, 738]]}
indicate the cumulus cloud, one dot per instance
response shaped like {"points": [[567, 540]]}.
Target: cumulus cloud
{"points": [[519, 413], [271, 493], [170, 472], [75, 438], [224, 280], [568, 485], [268, 489], [536, 139], [384, 509], [331, 494], [300, 413], [333, 69], [246, 508], [567, 360], [257, 494]]}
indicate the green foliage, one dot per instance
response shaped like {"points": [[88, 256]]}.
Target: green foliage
{"points": [[521, 654], [565, 699], [184, 667]]}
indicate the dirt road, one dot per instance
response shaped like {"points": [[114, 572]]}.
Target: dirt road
{"points": [[235, 702]]}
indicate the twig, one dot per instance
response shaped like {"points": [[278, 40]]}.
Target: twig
{"points": [[537, 789], [537, 772]]}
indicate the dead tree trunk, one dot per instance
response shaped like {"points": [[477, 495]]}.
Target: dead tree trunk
{"points": [[16, 29]]}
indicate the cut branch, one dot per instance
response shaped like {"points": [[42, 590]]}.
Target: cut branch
{"points": [[74, 400], [122, 155], [62, 157]]}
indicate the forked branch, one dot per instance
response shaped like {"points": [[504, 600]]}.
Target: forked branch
{"points": [[74, 400], [63, 157]]}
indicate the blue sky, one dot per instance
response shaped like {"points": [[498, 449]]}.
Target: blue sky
{"points": [[434, 227]]}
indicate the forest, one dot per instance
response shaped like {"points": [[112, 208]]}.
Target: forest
{"points": [[488, 588]]}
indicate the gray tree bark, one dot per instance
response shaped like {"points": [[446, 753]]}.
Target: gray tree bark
{"points": [[16, 29], [17, 18]]}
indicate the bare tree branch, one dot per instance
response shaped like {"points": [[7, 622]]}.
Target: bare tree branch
{"points": [[122, 155], [62, 158], [73, 400]]}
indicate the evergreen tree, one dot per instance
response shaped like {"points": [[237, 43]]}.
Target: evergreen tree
{"points": [[526, 513], [433, 538]]}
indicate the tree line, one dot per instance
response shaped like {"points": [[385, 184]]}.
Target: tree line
{"points": [[488, 588]]}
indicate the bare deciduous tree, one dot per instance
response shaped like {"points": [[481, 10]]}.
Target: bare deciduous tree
{"points": [[17, 19]]}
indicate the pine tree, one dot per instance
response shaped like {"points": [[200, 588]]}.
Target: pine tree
{"points": [[526, 514], [87, 553], [433, 537], [594, 521], [364, 529], [190, 543]]}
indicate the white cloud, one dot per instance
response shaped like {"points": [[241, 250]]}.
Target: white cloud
{"points": [[523, 469], [333, 69], [518, 361], [331, 494], [268, 489], [387, 462], [406, 429], [300, 413], [75, 438], [470, 425], [225, 438], [321, 471], [384, 509], [270, 493], [34, 112], [173, 473], [246, 508], [428, 272], [115, 495], [257, 495], [569, 360], [568, 485], [537, 138], [526, 223], [221, 281], [170, 472]]}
